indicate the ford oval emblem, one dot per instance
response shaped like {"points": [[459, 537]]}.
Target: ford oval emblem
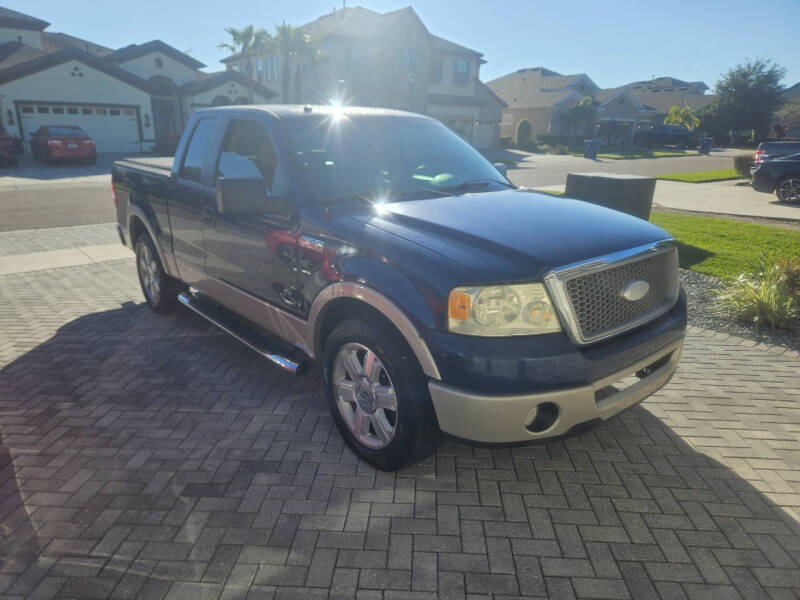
{"points": [[635, 290]]}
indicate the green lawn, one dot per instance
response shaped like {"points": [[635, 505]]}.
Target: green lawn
{"points": [[624, 154], [725, 248], [702, 176]]}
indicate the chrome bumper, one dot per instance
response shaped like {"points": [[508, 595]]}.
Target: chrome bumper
{"points": [[503, 419]]}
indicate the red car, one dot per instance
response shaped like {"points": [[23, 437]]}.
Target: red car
{"points": [[62, 142], [8, 153]]}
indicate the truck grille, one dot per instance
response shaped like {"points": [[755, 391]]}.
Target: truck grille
{"points": [[590, 298]]}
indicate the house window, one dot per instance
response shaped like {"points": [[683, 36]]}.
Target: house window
{"points": [[508, 119], [461, 72], [101, 112], [114, 112], [71, 111], [407, 61], [86, 111], [27, 110], [43, 110], [437, 69], [159, 62], [128, 112], [58, 110]]}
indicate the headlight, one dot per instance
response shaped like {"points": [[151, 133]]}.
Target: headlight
{"points": [[501, 310]]}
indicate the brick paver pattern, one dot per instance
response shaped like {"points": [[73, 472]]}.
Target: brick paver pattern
{"points": [[154, 457]]}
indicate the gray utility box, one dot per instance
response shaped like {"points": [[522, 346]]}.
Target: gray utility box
{"points": [[630, 194]]}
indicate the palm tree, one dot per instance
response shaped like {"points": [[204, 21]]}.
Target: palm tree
{"points": [[305, 55], [284, 44], [247, 42]]}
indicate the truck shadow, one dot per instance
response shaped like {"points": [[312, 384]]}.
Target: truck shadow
{"points": [[127, 433]]}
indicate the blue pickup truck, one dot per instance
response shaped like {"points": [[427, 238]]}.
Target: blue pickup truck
{"points": [[436, 295]]}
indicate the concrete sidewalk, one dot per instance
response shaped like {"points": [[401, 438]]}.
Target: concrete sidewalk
{"points": [[723, 197], [40, 249]]}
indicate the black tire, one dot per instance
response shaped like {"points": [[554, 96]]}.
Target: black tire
{"points": [[416, 432], [789, 196], [166, 300]]}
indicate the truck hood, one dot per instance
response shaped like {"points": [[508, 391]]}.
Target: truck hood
{"points": [[512, 235]]}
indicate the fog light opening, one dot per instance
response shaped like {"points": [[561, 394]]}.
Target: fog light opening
{"points": [[546, 416]]}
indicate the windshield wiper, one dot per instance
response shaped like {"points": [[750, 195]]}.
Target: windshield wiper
{"points": [[466, 185], [346, 198]]}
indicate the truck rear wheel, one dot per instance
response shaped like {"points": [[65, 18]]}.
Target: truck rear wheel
{"points": [[160, 290], [378, 394]]}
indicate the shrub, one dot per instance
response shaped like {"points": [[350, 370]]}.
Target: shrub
{"points": [[763, 297], [560, 149], [506, 141], [531, 146], [550, 140], [791, 269], [742, 164], [524, 131]]}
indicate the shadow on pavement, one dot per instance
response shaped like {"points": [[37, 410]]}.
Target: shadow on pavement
{"points": [[138, 451]]}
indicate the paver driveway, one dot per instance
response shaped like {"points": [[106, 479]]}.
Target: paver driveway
{"points": [[151, 457]]}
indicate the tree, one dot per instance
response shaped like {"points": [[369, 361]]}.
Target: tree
{"points": [[747, 97], [682, 115], [284, 43], [790, 114], [306, 55], [524, 131], [583, 113], [247, 42]]}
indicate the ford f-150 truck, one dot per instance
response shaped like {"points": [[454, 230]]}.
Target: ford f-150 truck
{"points": [[436, 295]]}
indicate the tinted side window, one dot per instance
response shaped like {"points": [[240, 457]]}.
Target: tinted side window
{"points": [[198, 147], [247, 152]]}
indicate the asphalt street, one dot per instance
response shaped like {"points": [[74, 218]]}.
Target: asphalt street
{"points": [[34, 197], [52, 205]]}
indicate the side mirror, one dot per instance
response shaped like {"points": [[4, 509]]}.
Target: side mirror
{"points": [[248, 196], [501, 168]]}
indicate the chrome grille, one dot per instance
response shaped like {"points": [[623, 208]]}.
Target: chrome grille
{"points": [[589, 295]]}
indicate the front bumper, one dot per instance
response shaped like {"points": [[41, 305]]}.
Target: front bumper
{"points": [[505, 418]]}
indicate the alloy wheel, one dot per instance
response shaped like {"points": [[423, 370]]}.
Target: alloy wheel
{"points": [[365, 395], [789, 190], [149, 274]]}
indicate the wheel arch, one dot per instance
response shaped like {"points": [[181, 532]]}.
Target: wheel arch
{"points": [[343, 299], [138, 223]]}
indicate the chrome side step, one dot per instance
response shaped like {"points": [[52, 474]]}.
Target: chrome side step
{"points": [[280, 353]]}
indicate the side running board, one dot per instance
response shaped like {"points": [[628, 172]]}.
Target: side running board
{"points": [[270, 347]]}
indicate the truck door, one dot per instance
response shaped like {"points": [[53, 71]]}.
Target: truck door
{"points": [[256, 253], [189, 188]]}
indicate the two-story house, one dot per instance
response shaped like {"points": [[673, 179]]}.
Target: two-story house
{"points": [[543, 97], [390, 60], [128, 100]]}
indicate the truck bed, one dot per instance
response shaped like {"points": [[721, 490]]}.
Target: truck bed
{"points": [[161, 164]]}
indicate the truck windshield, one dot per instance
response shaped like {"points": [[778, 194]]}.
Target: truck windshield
{"points": [[386, 158]]}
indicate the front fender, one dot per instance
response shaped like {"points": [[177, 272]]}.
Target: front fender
{"points": [[378, 301]]}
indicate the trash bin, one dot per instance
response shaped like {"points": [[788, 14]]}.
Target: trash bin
{"points": [[705, 145], [591, 149], [632, 194]]}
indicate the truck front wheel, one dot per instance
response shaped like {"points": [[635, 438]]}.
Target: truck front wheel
{"points": [[160, 290], [378, 394]]}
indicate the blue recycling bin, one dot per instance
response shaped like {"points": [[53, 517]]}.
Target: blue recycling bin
{"points": [[591, 149], [705, 145]]}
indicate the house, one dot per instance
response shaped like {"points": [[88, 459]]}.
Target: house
{"points": [[543, 97], [128, 100], [389, 60]]}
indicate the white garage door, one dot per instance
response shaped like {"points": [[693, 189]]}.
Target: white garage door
{"points": [[113, 128]]}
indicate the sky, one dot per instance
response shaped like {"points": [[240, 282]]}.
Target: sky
{"points": [[614, 42]]}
